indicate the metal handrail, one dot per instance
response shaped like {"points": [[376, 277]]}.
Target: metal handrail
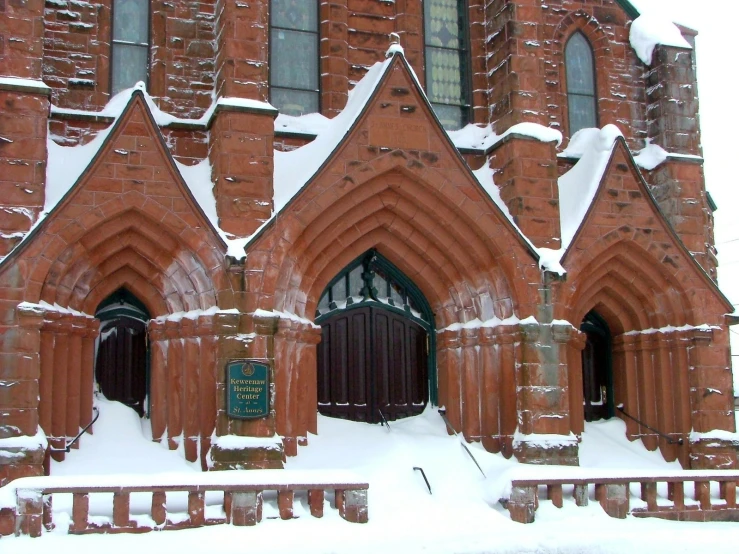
{"points": [[668, 438], [75, 439]]}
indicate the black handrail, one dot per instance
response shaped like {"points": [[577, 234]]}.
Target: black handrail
{"points": [[423, 474], [75, 439], [383, 420], [668, 438]]}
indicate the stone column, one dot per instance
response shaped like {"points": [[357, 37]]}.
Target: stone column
{"points": [[191, 407], [471, 392], [158, 378], [449, 373], [62, 330], [490, 389], [87, 383], [574, 349], [172, 333], [647, 406], [207, 387], [508, 338], [624, 350]]}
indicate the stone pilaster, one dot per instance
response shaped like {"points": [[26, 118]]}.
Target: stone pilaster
{"points": [[334, 56], [678, 184], [526, 173], [543, 403], [263, 447], [708, 371], [19, 399]]}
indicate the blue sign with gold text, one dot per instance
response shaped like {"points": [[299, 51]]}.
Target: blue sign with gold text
{"points": [[247, 389]]}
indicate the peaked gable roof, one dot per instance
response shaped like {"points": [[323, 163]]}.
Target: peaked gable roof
{"points": [[297, 169], [603, 168], [61, 193]]}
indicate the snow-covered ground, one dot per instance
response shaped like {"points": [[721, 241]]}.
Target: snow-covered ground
{"points": [[461, 516]]}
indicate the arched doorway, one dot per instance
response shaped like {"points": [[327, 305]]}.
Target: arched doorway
{"points": [[597, 369], [122, 359], [377, 354]]}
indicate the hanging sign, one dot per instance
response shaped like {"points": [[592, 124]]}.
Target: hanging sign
{"points": [[247, 389]]}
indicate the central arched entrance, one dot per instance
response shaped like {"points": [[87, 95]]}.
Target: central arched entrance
{"points": [[597, 369], [377, 353], [122, 360]]}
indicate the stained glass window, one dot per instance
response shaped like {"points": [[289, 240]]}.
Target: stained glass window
{"points": [[294, 56], [446, 60], [130, 44], [580, 70]]}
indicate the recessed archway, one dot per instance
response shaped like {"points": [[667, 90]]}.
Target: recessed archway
{"points": [[597, 368], [376, 359], [122, 350]]}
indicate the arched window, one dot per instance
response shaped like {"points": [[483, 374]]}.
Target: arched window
{"points": [[294, 56], [447, 76], [580, 70], [130, 43]]}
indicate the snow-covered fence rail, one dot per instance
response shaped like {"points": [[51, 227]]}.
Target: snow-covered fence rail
{"points": [[714, 497], [242, 499]]}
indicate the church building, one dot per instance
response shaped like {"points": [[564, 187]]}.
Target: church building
{"points": [[233, 216]]}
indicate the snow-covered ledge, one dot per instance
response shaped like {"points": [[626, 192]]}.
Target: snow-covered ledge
{"points": [[482, 139], [649, 30], [17, 84]]}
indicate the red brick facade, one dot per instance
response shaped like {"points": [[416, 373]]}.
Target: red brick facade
{"points": [[643, 257]]}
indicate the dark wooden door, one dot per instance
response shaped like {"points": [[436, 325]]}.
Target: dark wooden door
{"points": [[120, 368], [595, 366], [371, 359]]}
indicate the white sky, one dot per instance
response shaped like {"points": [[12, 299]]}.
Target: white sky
{"points": [[715, 21]]}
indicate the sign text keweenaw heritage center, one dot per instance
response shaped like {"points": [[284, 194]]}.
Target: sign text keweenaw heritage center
{"points": [[247, 389]]}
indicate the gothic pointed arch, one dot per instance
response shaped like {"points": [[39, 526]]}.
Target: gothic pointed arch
{"points": [[376, 359], [582, 43], [128, 222], [408, 195]]}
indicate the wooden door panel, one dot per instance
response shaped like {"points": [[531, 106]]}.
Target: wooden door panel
{"points": [[120, 369], [372, 359]]}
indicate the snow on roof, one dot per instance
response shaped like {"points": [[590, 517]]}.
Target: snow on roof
{"points": [[295, 168], [65, 164], [577, 187], [649, 30], [114, 108], [482, 138], [308, 124], [651, 156]]}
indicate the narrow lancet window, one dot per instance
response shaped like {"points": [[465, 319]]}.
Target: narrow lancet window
{"points": [[130, 43], [580, 69], [447, 77], [294, 56]]}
